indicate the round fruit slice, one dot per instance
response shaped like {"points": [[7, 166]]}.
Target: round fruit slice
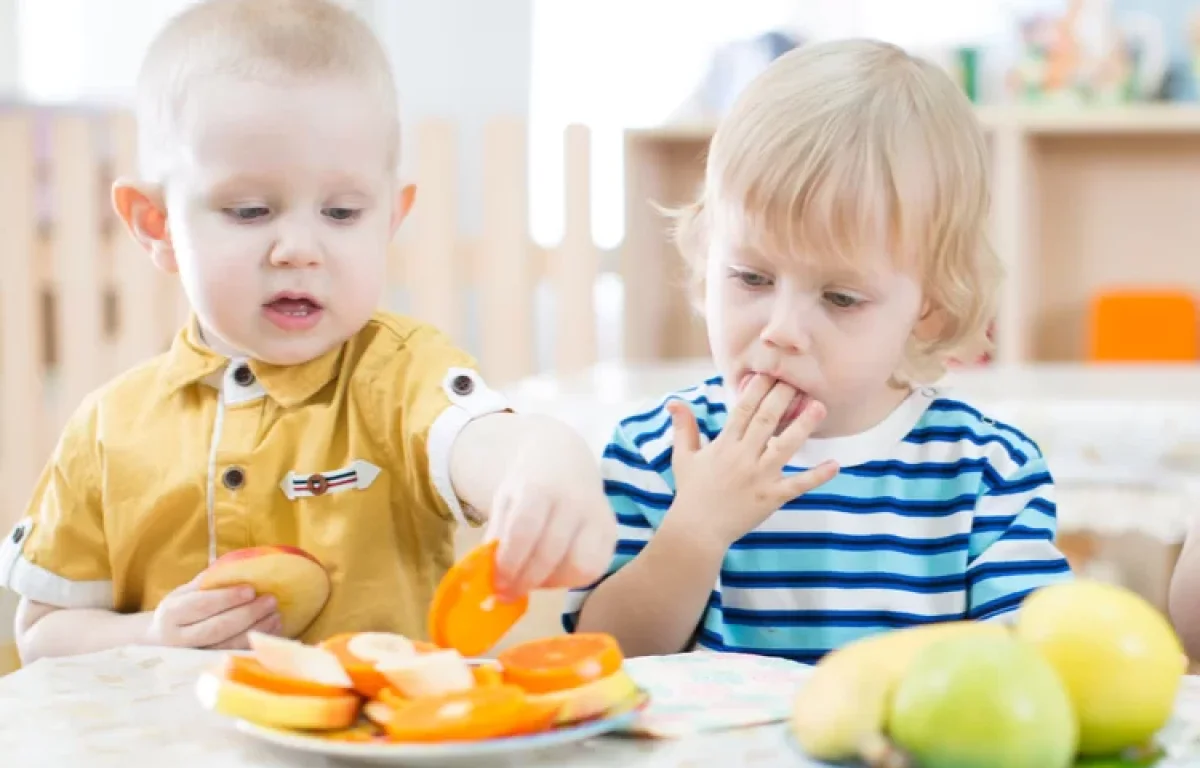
{"points": [[591, 700], [561, 662], [296, 579], [248, 670], [275, 710], [472, 715], [466, 614], [355, 649]]}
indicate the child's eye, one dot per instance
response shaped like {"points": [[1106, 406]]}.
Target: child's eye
{"points": [[248, 213], [842, 300], [341, 214], [751, 279]]}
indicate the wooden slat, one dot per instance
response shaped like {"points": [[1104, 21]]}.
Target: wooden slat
{"points": [[433, 277], [575, 263], [141, 332], [24, 434], [506, 285], [77, 245]]}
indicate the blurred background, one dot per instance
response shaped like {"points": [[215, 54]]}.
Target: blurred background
{"points": [[542, 133]]}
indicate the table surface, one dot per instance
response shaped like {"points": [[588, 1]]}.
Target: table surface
{"points": [[136, 707]]}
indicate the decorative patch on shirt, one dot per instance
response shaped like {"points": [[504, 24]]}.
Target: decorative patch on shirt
{"points": [[359, 475]]}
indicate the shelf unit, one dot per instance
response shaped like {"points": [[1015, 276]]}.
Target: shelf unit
{"points": [[1083, 200]]}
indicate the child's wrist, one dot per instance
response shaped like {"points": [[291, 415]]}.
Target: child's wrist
{"points": [[694, 533]]}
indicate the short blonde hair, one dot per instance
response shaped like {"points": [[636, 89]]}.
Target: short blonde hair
{"points": [[274, 41], [841, 146]]}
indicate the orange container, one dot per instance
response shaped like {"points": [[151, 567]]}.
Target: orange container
{"points": [[1144, 326]]}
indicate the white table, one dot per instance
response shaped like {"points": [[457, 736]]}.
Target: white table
{"points": [[135, 708]]}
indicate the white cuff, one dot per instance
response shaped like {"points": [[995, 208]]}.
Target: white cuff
{"points": [[36, 583], [470, 398]]}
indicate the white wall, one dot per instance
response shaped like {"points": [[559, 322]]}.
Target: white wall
{"points": [[466, 60], [8, 48]]}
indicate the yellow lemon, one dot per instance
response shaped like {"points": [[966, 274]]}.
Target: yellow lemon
{"points": [[1118, 656]]}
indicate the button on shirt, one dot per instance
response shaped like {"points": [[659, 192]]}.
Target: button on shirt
{"points": [[192, 455]]}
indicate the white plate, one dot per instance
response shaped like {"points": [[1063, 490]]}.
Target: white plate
{"points": [[450, 754]]}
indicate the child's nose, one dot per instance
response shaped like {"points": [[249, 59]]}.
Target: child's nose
{"points": [[296, 248], [786, 329]]}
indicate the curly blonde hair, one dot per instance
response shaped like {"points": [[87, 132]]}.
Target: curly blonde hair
{"points": [[842, 146]]}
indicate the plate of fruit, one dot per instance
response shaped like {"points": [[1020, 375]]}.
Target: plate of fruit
{"points": [[383, 698]]}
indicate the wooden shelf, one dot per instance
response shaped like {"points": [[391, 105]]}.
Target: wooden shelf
{"points": [[1083, 200]]}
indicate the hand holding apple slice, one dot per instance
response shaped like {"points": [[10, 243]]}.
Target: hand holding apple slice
{"points": [[296, 579]]}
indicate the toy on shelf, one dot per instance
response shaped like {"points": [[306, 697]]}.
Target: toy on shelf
{"points": [[1143, 326], [1089, 55]]}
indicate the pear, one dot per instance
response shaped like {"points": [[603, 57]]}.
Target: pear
{"points": [[840, 709], [981, 702]]}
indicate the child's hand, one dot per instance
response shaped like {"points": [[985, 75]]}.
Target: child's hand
{"points": [[729, 487], [553, 521], [189, 617]]}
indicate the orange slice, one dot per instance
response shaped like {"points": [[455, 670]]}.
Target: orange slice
{"points": [[486, 674], [249, 671], [557, 663], [367, 680], [466, 614], [476, 714]]}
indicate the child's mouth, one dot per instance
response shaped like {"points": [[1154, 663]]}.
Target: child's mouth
{"points": [[796, 407], [293, 312]]}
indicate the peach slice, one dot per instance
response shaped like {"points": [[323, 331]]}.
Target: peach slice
{"points": [[428, 674], [297, 660], [591, 699], [275, 710], [296, 579]]}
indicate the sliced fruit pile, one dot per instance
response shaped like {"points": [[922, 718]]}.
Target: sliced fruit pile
{"points": [[376, 686]]}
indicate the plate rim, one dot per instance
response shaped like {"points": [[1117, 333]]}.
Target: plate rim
{"points": [[572, 734]]}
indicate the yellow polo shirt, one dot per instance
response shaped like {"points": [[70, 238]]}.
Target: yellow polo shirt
{"points": [[192, 455]]}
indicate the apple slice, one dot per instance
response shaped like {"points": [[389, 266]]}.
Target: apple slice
{"points": [[428, 674], [297, 660], [296, 579], [275, 710], [591, 699], [374, 647]]}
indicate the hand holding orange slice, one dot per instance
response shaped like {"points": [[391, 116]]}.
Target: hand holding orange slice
{"points": [[466, 613]]}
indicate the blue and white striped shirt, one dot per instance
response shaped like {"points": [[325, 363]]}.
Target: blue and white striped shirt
{"points": [[937, 513]]}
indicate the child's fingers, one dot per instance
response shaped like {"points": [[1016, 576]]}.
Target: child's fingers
{"points": [[782, 448], [272, 624], [191, 607], [684, 428], [548, 553], [229, 624], [747, 405], [765, 422], [588, 560], [803, 482], [519, 527]]}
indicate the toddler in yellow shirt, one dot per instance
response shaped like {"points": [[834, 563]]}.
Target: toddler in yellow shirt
{"points": [[288, 410]]}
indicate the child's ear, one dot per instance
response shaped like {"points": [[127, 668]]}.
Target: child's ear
{"points": [[930, 323], [402, 205], [145, 217]]}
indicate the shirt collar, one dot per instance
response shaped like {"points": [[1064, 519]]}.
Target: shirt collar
{"points": [[189, 361]]}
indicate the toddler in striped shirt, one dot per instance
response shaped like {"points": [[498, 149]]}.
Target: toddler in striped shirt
{"points": [[820, 487]]}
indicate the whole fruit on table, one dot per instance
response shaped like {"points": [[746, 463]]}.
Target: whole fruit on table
{"points": [[1118, 657], [981, 702]]}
